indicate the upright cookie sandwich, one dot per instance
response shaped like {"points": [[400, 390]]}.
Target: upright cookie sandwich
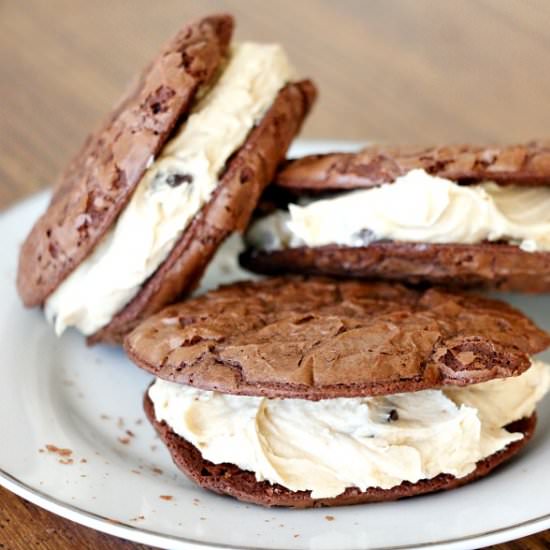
{"points": [[176, 167], [463, 216], [309, 392]]}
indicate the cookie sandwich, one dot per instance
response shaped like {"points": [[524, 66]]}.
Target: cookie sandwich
{"points": [[176, 167], [464, 216], [310, 392]]}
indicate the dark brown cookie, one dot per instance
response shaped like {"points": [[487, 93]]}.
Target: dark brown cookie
{"points": [[229, 479], [98, 182], [319, 338], [488, 265], [527, 164], [230, 208]]}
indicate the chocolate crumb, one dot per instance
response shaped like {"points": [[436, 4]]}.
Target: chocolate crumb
{"points": [[130, 433], [58, 450], [166, 497], [83, 461], [156, 471]]}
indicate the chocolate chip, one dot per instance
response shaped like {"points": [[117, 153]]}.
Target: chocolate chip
{"points": [[173, 180], [393, 416]]}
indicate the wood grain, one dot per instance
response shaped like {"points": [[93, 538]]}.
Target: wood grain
{"points": [[407, 71]]}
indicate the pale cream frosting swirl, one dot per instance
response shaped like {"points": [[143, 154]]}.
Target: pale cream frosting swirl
{"points": [[329, 445], [417, 207]]}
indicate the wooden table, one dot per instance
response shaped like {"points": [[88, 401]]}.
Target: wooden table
{"points": [[397, 71]]}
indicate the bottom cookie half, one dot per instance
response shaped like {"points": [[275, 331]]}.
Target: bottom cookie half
{"points": [[229, 479]]}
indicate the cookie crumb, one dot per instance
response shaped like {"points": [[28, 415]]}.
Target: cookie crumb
{"points": [[124, 440], [58, 450], [130, 433], [329, 518], [166, 497], [65, 461], [120, 422], [104, 417], [83, 461], [296, 536], [156, 471]]}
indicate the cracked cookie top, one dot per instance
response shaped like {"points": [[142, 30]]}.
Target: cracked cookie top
{"points": [[98, 182], [523, 164], [315, 338]]}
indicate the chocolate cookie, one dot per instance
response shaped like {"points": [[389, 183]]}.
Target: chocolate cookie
{"points": [[319, 339], [97, 183], [101, 183], [508, 262], [230, 480], [526, 164]]}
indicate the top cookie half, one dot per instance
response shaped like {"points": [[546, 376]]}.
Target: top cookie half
{"points": [[320, 338], [177, 167], [524, 164]]}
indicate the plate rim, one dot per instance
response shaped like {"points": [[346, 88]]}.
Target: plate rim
{"points": [[154, 538]]}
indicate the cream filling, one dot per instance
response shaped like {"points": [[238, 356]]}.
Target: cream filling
{"points": [[329, 445], [173, 189], [417, 207]]}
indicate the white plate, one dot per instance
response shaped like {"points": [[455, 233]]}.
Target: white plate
{"points": [[61, 393]]}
